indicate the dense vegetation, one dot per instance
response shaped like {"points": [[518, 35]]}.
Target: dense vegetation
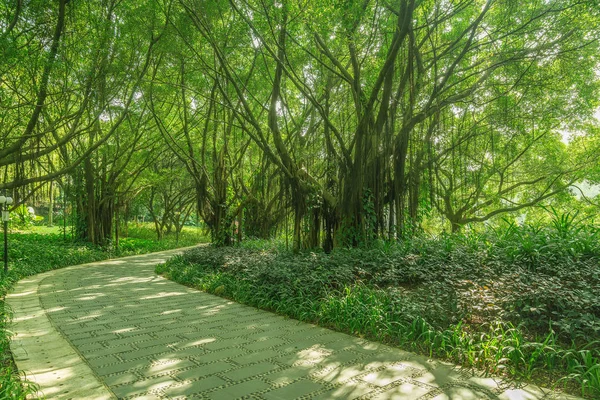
{"points": [[336, 122], [32, 252], [520, 301], [407, 144]]}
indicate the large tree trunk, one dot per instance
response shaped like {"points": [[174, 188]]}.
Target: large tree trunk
{"points": [[51, 204], [90, 204]]}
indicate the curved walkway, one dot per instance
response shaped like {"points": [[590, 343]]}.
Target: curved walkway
{"points": [[114, 329]]}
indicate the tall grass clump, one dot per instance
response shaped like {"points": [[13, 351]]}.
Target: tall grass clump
{"points": [[521, 301]]}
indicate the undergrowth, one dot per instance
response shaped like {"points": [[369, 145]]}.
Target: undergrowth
{"points": [[32, 253], [518, 301]]}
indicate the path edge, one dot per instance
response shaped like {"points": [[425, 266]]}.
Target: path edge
{"points": [[40, 351], [42, 355]]}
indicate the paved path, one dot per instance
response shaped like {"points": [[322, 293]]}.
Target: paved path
{"points": [[115, 329]]}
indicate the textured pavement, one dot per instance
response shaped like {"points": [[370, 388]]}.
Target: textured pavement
{"points": [[114, 329]]}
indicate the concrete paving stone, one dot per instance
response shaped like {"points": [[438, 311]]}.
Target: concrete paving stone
{"points": [[270, 318], [193, 352], [167, 366], [403, 391], [101, 323], [203, 370], [234, 309], [210, 304], [289, 375], [349, 391], [303, 335], [198, 323], [79, 336], [440, 376], [140, 318], [144, 386], [225, 343], [123, 378], [152, 323], [148, 397], [388, 375], [173, 332], [293, 390], [220, 326], [128, 332], [202, 331], [215, 317], [529, 392], [465, 393], [255, 357], [85, 391], [101, 361], [420, 365], [220, 355], [238, 390], [154, 342], [312, 355], [340, 345], [259, 336], [94, 339], [393, 357], [250, 371], [145, 352], [230, 334], [488, 383], [340, 357], [371, 347], [115, 342], [288, 358], [90, 347], [247, 312], [188, 388], [40, 347], [264, 344], [121, 367], [195, 342], [337, 375], [248, 317], [329, 338], [76, 328]]}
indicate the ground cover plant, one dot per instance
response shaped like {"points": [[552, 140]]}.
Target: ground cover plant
{"points": [[521, 301], [31, 253]]}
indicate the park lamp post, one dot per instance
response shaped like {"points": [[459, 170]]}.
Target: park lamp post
{"points": [[4, 203]]}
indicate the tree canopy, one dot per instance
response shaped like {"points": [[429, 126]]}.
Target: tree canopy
{"points": [[341, 121]]}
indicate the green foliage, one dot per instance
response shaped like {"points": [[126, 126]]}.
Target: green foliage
{"points": [[142, 239], [275, 245], [521, 301], [22, 218]]}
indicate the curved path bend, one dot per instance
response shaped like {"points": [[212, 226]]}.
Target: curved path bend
{"points": [[114, 329]]}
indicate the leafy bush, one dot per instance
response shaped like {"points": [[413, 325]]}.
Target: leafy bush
{"points": [[24, 217], [521, 300], [188, 236]]}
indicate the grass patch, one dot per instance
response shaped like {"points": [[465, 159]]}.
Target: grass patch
{"points": [[34, 252], [521, 302]]}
